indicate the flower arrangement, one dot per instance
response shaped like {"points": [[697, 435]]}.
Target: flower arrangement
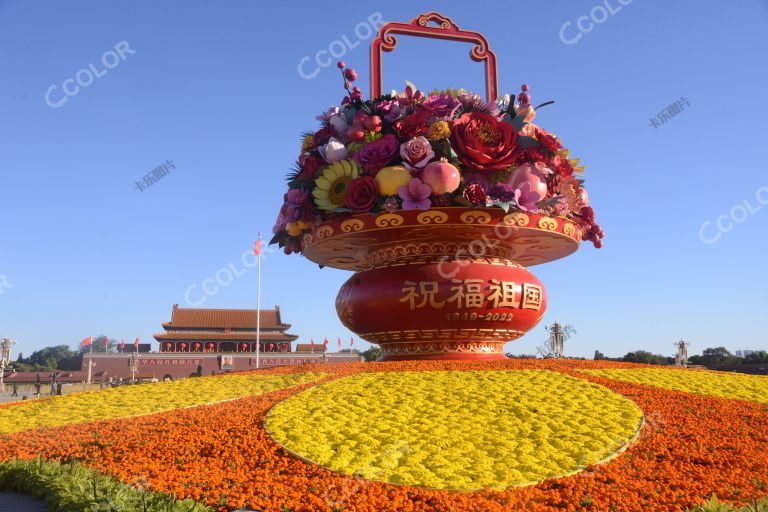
{"points": [[413, 151]]}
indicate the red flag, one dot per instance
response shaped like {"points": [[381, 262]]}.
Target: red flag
{"points": [[325, 342], [257, 247], [87, 342], [136, 343], [106, 342], [351, 341], [339, 342], [122, 345]]}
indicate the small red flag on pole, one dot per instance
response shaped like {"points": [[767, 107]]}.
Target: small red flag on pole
{"points": [[257, 247], [106, 343], [339, 342], [325, 342], [87, 342], [122, 345], [351, 341], [136, 343]]}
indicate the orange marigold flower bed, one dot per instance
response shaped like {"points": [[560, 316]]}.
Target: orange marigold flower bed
{"points": [[691, 446]]}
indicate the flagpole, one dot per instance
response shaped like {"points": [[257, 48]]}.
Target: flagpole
{"points": [[258, 306]]}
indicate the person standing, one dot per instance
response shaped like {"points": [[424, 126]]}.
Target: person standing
{"points": [[53, 383], [58, 388], [15, 390]]}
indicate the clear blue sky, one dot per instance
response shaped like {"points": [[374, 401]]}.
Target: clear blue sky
{"points": [[215, 87]]}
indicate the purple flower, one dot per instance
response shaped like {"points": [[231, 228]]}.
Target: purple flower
{"points": [[502, 193], [296, 197], [415, 195], [475, 103], [390, 110], [443, 105], [375, 155], [280, 222], [526, 198]]}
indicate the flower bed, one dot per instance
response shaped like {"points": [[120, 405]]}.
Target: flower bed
{"points": [[691, 447], [126, 401], [456, 430], [703, 382]]}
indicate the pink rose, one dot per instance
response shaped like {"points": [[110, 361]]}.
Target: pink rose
{"points": [[416, 153]]}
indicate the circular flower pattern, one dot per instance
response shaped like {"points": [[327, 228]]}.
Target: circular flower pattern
{"points": [[456, 430]]}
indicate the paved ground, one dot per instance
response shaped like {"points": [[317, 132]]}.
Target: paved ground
{"points": [[13, 502]]}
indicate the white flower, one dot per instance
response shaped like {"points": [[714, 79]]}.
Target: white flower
{"points": [[333, 152], [339, 122], [325, 116]]}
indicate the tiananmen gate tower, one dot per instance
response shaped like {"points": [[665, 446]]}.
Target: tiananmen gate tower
{"points": [[207, 341]]}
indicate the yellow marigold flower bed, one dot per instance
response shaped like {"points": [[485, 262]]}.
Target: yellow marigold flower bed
{"points": [[456, 430], [703, 382], [141, 399]]}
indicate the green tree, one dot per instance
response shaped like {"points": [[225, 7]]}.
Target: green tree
{"points": [[58, 357], [372, 354], [758, 357], [599, 356], [645, 357]]}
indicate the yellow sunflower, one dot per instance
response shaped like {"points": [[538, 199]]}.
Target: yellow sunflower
{"points": [[331, 187]]}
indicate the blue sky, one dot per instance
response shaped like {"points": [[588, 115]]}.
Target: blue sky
{"points": [[216, 88]]}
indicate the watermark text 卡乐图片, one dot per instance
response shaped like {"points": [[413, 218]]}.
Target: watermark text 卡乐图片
{"points": [[155, 175], [668, 113]]}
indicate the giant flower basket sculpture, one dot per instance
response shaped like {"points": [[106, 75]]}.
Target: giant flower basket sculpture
{"points": [[438, 202]]}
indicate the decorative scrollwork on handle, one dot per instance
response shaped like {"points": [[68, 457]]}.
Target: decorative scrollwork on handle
{"points": [[420, 26]]}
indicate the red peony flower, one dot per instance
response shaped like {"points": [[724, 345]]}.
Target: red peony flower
{"points": [[310, 166], [322, 135], [550, 142], [562, 166], [483, 143], [415, 124], [362, 194]]}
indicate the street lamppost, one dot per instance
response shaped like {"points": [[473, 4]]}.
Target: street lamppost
{"points": [[5, 357], [133, 363]]}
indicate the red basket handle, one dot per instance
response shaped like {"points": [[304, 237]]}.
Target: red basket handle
{"points": [[420, 27]]}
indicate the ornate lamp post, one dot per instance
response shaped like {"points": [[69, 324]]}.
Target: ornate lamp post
{"points": [[133, 364], [557, 335], [5, 357], [681, 358]]}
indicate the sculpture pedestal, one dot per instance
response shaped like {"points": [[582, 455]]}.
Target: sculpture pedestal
{"points": [[447, 283]]}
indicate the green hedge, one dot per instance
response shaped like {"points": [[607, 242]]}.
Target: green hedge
{"points": [[76, 488], [714, 505]]}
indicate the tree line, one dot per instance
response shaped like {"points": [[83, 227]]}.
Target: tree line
{"points": [[61, 357]]}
